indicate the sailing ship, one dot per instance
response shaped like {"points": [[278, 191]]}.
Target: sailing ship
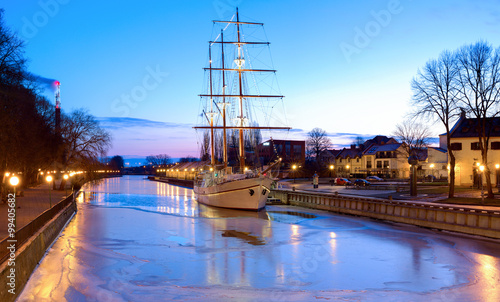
{"points": [[227, 109]]}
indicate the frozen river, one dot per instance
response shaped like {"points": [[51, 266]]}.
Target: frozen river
{"points": [[137, 240]]}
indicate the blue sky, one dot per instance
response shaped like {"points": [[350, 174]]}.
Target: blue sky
{"points": [[343, 66]]}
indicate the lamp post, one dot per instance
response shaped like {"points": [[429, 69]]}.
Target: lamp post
{"points": [[65, 176], [14, 181], [294, 167], [481, 168], [432, 172], [331, 180], [347, 170], [49, 180], [497, 167]]}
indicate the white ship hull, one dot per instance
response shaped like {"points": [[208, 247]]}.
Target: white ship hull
{"points": [[244, 194]]}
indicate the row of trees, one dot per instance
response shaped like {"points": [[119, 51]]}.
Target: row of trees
{"points": [[29, 140], [465, 80]]}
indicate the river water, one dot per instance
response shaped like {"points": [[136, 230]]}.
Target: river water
{"points": [[138, 240]]}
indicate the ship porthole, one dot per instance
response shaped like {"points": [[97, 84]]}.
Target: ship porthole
{"points": [[251, 192], [264, 192]]}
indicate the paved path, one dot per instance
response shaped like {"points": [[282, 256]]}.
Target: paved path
{"points": [[34, 202]]}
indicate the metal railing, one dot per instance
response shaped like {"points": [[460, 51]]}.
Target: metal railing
{"points": [[24, 233]]}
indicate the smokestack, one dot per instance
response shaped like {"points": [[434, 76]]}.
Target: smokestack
{"points": [[58, 99], [58, 106]]}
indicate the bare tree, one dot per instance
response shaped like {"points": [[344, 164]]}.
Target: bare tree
{"points": [[12, 60], [479, 81], [413, 136], [359, 142], [435, 97], [317, 142], [83, 137], [205, 146], [158, 160]]}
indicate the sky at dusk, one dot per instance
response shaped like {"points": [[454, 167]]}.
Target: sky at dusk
{"points": [[343, 66]]}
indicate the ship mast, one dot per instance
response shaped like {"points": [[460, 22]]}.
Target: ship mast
{"points": [[240, 62], [212, 139], [224, 137]]}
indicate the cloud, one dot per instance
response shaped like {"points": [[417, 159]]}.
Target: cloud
{"points": [[129, 122]]}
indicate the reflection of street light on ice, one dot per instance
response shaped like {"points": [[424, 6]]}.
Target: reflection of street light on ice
{"points": [[481, 168], [49, 180]]}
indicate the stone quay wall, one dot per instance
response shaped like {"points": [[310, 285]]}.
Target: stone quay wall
{"points": [[468, 220]]}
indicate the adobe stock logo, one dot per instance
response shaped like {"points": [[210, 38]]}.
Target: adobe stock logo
{"points": [[138, 94], [49, 9], [364, 36]]}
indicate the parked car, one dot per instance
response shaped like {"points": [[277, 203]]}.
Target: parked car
{"points": [[361, 183], [343, 182], [374, 178]]}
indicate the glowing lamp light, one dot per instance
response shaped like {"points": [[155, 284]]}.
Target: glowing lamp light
{"points": [[14, 181], [331, 167], [481, 168], [48, 178], [497, 166], [66, 176], [294, 167], [7, 174], [432, 166]]}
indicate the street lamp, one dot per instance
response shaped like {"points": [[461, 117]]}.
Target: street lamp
{"points": [[481, 168], [49, 180], [432, 172], [14, 181], [331, 180], [294, 167], [347, 169], [65, 176]]}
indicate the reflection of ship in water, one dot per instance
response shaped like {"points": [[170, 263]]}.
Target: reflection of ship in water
{"points": [[249, 226]]}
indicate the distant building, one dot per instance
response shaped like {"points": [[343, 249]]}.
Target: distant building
{"points": [[328, 157], [290, 151], [465, 146], [348, 162], [386, 160]]}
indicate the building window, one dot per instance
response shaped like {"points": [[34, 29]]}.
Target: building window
{"points": [[379, 164], [456, 146], [495, 145], [368, 164], [386, 164], [357, 160], [297, 150], [474, 146], [288, 148]]}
